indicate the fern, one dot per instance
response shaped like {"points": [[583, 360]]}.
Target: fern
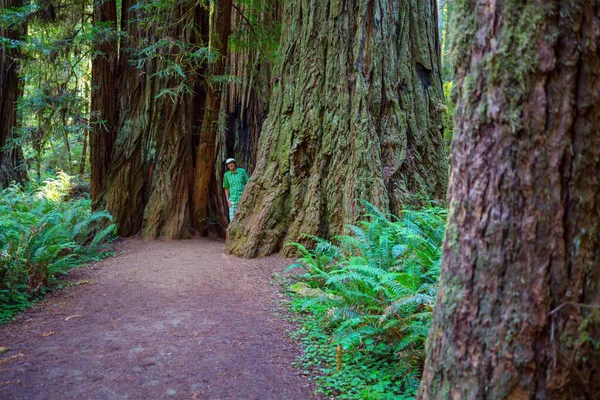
{"points": [[384, 277], [42, 235]]}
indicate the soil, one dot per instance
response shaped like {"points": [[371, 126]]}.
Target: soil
{"points": [[164, 319]]}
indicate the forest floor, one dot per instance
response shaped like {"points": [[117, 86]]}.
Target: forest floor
{"points": [[164, 319]]}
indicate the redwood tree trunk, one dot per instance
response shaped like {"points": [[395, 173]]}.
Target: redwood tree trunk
{"points": [[245, 102], [355, 114], [518, 309], [104, 95], [11, 157], [205, 155], [126, 190], [149, 185], [168, 210]]}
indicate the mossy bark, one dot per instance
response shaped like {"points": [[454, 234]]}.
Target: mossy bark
{"points": [[517, 314], [104, 95], [355, 114], [11, 157]]}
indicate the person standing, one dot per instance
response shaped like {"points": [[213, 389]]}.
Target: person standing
{"points": [[234, 182]]}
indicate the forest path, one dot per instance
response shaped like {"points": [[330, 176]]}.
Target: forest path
{"points": [[165, 319]]}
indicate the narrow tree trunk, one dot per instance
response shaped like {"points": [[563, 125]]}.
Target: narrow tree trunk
{"points": [[205, 156], [104, 95], [244, 105], [248, 99], [11, 157], [83, 154], [356, 114], [518, 309]]}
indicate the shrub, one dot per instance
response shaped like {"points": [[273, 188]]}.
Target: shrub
{"points": [[381, 282], [42, 236]]}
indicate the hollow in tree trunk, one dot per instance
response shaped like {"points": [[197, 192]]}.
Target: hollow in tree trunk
{"points": [[518, 309], [355, 114], [205, 155]]}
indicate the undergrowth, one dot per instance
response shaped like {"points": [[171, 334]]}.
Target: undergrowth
{"points": [[367, 303], [42, 235]]}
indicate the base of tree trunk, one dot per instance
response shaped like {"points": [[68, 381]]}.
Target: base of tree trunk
{"points": [[355, 115]]}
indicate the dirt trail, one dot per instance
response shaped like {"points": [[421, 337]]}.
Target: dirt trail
{"points": [[163, 320]]}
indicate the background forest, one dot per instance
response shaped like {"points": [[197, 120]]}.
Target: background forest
{"points": [[403, 150], [129, 109], [164, 93]]}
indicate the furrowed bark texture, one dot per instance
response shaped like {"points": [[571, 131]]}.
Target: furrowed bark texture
{"points": [[248, 101], [11, 158], [245, 105], [126, 190], [168, 211], [104, 95], [356, 114], [205, 155], [150, 183], [517, 314]]}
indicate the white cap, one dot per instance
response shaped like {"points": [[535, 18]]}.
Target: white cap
{"points": [[230, 160]]}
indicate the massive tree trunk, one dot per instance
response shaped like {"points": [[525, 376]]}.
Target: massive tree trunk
{"points": [[168, 212], [104, 94], [205, 155], [518, 309], [355, 114], [149, 185], [126, 190], [11, 157]]}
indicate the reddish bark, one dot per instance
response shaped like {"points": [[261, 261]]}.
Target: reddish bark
{"points": [[104, 95], [205, 155], [517, 314], [11, 157]]}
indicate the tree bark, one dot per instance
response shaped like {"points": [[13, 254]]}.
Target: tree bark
{"points": [[149, 187], [245, 102], [356, 114], [125, 193], [12, 168], [168, 212], [83, 154], [104, 95], [205, 155], [518, 308]]}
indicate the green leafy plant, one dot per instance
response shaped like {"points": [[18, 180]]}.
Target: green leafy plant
{"points": [[42, 235], [380, 283]]}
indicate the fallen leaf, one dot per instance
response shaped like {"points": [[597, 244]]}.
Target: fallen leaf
{"points": [[11, 358], [49, 333], [73, 316], [4, 349], [83, 282]]}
